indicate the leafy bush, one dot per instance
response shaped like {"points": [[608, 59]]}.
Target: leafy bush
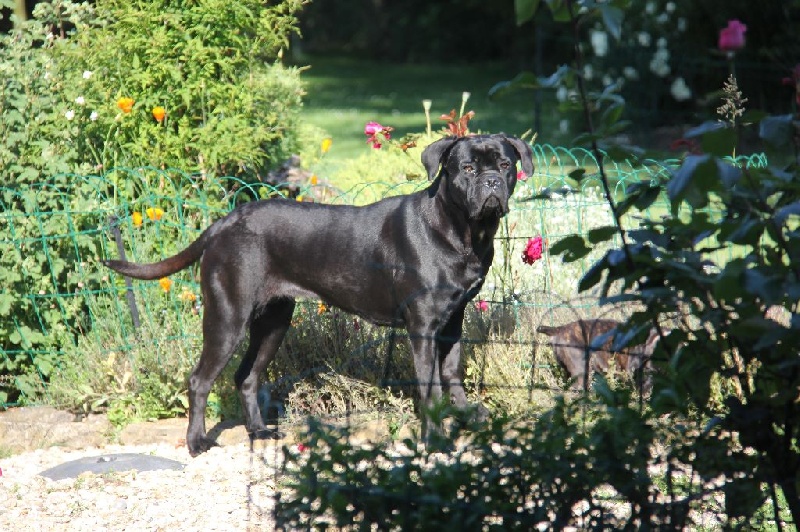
{"points": [[89, 87]]}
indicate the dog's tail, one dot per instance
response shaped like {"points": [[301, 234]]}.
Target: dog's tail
{"points": [[157, 270]]}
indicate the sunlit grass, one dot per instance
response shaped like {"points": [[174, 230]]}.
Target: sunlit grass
{"points": [[344, 94]]}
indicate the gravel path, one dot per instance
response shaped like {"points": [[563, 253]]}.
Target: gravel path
{"points": [[227, 488]]}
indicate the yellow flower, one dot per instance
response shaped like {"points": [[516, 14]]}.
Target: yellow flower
{"points": [[299, 197], [165, 284], [159, 113], [154, 214], [187, 295], [137, 218], [125, 104], [313, 179], [321, 308], [326, 145]]}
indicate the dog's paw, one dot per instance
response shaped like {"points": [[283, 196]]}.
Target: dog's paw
{"points": [[200, 445]]}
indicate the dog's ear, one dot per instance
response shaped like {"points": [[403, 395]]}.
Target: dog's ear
{"points": [[433, 155], [524, 152]]}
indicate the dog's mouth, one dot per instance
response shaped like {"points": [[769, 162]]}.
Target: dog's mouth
{"points": [[492, 206]]}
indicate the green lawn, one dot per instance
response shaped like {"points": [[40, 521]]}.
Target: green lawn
{"points": [[344, 94]]}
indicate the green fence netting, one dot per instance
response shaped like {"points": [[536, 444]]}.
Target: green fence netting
{"points": [[56, 297]]}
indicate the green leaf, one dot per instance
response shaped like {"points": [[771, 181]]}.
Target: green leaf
{"points": [[525, 10], [593, 275], [777, 131], [720, 142], [602, 234], [612, 19]]}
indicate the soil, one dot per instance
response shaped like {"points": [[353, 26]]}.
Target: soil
{"points": [[231, 487]]}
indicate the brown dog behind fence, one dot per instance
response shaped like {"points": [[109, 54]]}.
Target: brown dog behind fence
{"points": [[572, 344]]}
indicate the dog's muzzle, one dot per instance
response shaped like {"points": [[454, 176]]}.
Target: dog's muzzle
{"points": [[490, 197]]}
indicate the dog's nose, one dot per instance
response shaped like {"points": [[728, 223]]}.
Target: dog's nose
{"points": [[491, 182]]}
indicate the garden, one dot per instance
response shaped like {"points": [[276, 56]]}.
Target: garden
{"points": [[129, 127]]}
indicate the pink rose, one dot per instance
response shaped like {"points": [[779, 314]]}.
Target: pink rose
{"points": [[372, 128], [521, 176], [533, 250], [374, 131], [481, 305], [731, 39]]}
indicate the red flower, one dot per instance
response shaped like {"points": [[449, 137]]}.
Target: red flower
{"points": [[731, 39], [794, 81], [301, 447], [533, 250], [521, 176], [481, 305]]}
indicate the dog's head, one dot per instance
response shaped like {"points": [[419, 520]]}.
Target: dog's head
{"points": [[480, 171]]}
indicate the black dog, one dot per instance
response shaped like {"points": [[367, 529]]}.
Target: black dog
{"points": [[411, 261]]}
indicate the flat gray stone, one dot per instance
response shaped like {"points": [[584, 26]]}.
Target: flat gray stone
{"points": [[111, 463]]}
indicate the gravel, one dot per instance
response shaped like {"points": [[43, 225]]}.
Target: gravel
{"points": [[228, 488]]}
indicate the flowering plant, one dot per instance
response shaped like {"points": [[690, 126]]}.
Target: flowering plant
{"points": [[377, 134]]}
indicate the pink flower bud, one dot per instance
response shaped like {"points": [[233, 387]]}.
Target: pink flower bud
{"points": [[731, 39]]}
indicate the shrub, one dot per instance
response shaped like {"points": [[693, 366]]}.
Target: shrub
{"points": [[90, 87]]}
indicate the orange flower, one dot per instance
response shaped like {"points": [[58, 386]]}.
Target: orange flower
{"points": [[137, 218], [165, 284], [187, 295], [326, 145], [321, 308], [159, 113], [154, 214], [125, 104], [313, 179]]}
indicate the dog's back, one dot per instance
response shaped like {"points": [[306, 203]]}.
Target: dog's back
{"points": [[572, 343]]}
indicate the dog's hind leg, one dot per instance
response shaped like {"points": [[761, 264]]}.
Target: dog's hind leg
{"points": [[223, 329], [267, 330]]}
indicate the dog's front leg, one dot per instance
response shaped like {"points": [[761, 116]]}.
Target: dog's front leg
{"points": [[426, 364]]}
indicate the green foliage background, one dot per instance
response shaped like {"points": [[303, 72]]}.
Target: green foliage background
{"points": [[231, 108]]}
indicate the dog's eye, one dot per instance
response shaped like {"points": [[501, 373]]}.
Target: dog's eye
{"points": [[504, 165], [468, 168]]}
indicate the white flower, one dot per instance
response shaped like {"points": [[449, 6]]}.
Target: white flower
{"points": [[588, 72], [563, 126], [662, 18], [47, 75], [644, 38], [70, 114], [562, 93], [681, 24], [607, 81], [661, 42], [79, 100], [87, 74], [680, 91], [659, 65], [670, 7], [630, 72], [650, 8], [599, 42], [50, 36], [93, 116]]}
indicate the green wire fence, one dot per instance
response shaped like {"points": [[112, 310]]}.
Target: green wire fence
{"points": [[55, 295]]}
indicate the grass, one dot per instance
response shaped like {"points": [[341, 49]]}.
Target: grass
{"points": [[344, 94]]}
